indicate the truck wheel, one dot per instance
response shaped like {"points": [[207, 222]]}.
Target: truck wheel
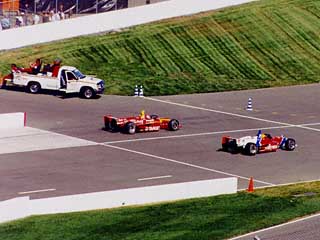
{"points": [[173, 125], [87, 93], [290, 144], [130, 128], [250, 149], [34, 87]]}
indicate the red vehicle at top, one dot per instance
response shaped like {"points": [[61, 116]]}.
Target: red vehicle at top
{"points": [[141, 123]]}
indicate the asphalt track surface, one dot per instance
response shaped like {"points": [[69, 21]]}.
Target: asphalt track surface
{"points": [[77, 156]]}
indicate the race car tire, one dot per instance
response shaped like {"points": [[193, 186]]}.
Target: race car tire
{"points": [[173, 125], [87, 93], [232, 147], [290, 144], [225, 147], [111, 125], [34, 87], [130, 128], [250, 149], [107, 125]]}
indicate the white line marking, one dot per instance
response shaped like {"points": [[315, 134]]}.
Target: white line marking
{"points": [[37, 191], [153, 178], [278, 226], [207, 133], [284, 184], [183, 163], [195, 134], [228, 113]]}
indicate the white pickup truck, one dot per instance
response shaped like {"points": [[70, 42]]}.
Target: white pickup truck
{"points": [[69, 80]]}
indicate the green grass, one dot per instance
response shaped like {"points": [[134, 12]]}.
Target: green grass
{"points": [[211, 218], [263, 44]]}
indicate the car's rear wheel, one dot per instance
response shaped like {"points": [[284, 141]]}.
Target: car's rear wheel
{"points": [[232, 147], [290, 144], [34, 87], [130, 128], [225, 147], [111, 125], [250, 149], [173, 125], [106, 125]]}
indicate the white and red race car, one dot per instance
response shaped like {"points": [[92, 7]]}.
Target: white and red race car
{"points": [[251, 145], [141, 123]]}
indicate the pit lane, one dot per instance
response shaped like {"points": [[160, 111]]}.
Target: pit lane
{"points": [[115, 161]]}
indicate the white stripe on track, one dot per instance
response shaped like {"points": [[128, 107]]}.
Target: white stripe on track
{"points": [[277, 226], [195, 134], [154, 178], [284, 184], [229, 113], [183, 163], [37, 191], [208, 133]]}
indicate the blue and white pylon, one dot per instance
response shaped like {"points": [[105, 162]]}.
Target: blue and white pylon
{"points": [[136, 91], [141, 91], [249, 106]]}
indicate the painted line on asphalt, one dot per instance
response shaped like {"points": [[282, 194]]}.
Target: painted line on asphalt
{"points": [[37, 191], [277, 226], [206, 133], [229, 113], [194, 134], [154, 178], [283, 184], [183, 163], [63, 135]]}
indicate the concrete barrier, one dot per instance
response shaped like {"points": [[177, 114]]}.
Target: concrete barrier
{"points": [[14, 209], [12, 121], [103, 22], [22, 207]]}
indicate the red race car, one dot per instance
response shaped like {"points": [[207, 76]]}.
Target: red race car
{"points": [[250, 145], [141, 123]]}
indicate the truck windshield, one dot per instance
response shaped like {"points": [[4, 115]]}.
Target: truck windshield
{"points": [[78, 74]]}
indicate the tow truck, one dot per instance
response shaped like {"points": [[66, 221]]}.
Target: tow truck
{"points": [[69, 80]]}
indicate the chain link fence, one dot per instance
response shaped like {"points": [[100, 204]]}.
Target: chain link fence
{"points": [[18, 13]]}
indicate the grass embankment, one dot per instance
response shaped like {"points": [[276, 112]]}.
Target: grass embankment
{"points": [[262, 44], [217, 217]]}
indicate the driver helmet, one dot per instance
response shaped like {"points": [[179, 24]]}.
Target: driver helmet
{"points": [[142, 114]]}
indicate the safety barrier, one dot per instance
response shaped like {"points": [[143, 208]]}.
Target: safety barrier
{"points": [[109, 21], [12, 120], [23, 207]]}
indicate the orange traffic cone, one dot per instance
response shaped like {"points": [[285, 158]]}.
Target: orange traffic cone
{"points": [[250, 186]]}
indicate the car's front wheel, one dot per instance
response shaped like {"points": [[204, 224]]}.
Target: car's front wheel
{"points": [[290, 144], [250, 149], [130, 128], [173, 125]]}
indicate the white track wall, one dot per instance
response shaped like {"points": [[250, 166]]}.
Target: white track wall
{"points": [[103, 22], [23, 207], [10, 121]]}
